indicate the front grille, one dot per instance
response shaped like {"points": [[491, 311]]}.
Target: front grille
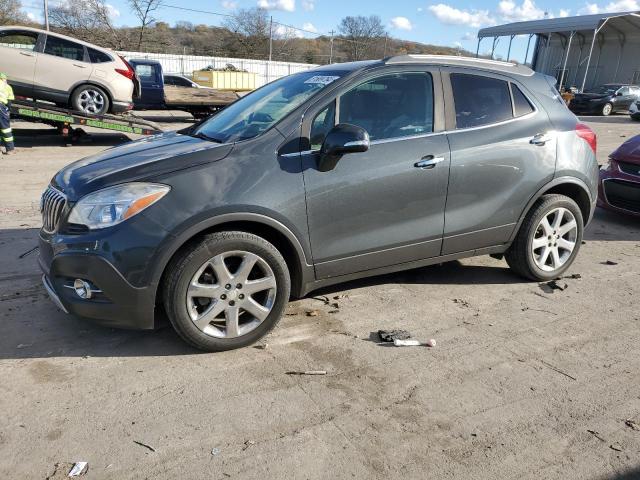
{"points": [[52, 205], [630, 168], [624, 195]]}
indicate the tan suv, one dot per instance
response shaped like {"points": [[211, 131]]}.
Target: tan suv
{"points": [[66, 71]]}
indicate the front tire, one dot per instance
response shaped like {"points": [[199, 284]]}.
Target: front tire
{"points": [[607, 108], [90, 100], [226, 291], [548, 240]]}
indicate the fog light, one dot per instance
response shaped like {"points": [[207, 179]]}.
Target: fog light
{"points": [[82, 288]]}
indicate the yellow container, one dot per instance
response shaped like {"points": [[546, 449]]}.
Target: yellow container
{"points": [[235, 81]]}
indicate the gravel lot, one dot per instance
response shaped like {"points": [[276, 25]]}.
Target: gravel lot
{"points": [[522, 384]]}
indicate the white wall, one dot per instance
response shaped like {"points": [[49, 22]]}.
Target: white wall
{"points": [[186, 64]]}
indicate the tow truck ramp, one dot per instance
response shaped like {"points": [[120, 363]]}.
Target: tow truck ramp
{"points": [[69, 123]]}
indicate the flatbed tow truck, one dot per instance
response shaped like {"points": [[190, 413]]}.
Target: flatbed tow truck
{"points": [[69, 123]]}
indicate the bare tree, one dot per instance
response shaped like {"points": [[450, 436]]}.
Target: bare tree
{"points": [[250, 29], [361, 33], [10, 12], [144, 11], [88, 20]]}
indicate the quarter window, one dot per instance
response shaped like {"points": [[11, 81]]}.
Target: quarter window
{"points": [[97, 56], [391, 106], [59, 47], [19, 39], [521, 105], [480, 100]]}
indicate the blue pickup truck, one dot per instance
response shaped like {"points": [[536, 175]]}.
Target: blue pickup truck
{"points": [[163, 92]]}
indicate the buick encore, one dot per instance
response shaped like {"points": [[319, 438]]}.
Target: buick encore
{"points": [[345, 171]]}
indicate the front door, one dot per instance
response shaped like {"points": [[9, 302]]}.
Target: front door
{"points": [[19, 54], [381, 207]]}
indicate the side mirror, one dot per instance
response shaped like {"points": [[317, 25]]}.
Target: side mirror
{"points": [[618, 94], [342, 139]]}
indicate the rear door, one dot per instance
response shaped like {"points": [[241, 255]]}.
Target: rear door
{"points": [[379, 208], [502, 151], [18, 51], [626, 98], [61, 66]]}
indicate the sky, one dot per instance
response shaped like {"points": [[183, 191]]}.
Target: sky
{"points": [[441, 22]]}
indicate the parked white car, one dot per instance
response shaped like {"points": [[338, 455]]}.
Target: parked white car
{"points": [[53, 67]]}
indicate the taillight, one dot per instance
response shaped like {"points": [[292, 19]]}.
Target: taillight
{"points": [[129, 72], [588, 135]]}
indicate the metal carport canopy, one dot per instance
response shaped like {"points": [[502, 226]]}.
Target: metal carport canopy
{"points": [[552, 25]]}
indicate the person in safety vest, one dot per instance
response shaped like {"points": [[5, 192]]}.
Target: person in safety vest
{"points": [[6, 95]]}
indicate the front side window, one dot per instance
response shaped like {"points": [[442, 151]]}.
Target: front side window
{"points": [[19, 39], [182, 82], [257, 112], [146, 73], [59, 47], [480, 100], [391, 106]]}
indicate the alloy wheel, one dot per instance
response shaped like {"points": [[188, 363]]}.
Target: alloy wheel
{"points": [[91, 101], [606, 110], [231, 294], [554, 239]]}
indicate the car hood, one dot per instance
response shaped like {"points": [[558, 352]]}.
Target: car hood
{"points": [[135, 161], [629, 151]]}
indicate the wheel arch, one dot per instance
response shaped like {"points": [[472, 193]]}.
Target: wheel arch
{"points": [[571, 187], [271, 230]]}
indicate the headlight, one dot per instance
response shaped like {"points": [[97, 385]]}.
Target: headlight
{"points": [[113, 205]]}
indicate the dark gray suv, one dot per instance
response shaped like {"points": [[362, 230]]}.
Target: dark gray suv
{"points": [[341, 172]]}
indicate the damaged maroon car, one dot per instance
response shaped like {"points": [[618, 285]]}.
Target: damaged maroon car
{"points": [[619, 187]]}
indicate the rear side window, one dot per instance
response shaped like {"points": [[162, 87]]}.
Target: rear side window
{"points": [[521, 105], [391, 106], [480, 100], [146, 73], [60, 47], [98, 57], [19, 39]]}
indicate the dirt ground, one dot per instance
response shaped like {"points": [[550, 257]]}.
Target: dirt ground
{"points": [[523, 383]]}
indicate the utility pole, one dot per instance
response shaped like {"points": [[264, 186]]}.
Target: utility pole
{"points": [[270, 37], [331, 51], [386, 39], [46, 14]]}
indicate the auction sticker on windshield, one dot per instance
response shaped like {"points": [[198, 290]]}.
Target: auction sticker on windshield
{"points": [[322, 79]]}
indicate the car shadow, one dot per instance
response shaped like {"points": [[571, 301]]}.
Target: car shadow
{"points": [[614, 118], [49, 137], [608, 225]]}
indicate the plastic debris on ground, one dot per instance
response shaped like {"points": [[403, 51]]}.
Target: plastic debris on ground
{"points": [[391, 335], [412, 342], [79, 468]]}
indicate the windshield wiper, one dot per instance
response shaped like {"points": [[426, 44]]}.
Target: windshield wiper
{"points": [[206, 137]]}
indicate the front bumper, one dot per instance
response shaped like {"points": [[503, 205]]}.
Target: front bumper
{"points": [[619, 192]]}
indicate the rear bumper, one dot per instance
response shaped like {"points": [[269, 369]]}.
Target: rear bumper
{"points": [[119, 107], [117, 303]]}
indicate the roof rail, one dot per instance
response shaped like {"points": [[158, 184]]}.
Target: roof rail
{"points": [[453, 60]]}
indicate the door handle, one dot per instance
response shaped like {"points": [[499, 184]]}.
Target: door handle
{"points": [[540, 139], [79, 66], [26, 54], [428, 162]]}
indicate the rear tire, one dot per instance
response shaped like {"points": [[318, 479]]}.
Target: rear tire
{"points": [[607, 108], [226, 290], [90, 100], [540, 250]]}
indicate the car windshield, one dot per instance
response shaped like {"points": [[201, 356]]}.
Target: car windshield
{"points": [[260, 110], [605, 89]]}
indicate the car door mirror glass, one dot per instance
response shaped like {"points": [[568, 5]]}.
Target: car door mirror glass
{"points": [[342, 140]]}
